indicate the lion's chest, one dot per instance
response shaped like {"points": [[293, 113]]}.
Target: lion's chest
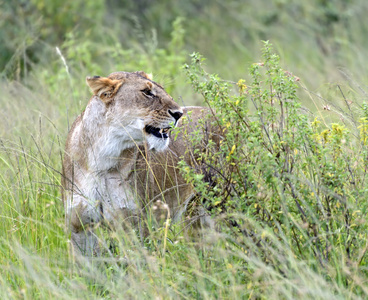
{"points": [[118, 196], [110, 195]]}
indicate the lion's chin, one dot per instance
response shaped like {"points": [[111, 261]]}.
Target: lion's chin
{"points": [[158, 144]]}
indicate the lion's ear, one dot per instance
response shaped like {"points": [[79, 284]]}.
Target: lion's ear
{"points": [[145, 75], [104, 87]]}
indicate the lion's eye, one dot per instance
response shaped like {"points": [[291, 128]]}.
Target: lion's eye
{"points": [[148, 93]]}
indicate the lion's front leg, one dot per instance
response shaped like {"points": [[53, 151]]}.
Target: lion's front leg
{"points": [[81, 216]]}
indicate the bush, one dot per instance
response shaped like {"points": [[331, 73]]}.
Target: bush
{"points": [[286, 183]]}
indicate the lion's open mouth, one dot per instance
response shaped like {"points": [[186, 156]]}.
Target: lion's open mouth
{"points": [[157, 132]]}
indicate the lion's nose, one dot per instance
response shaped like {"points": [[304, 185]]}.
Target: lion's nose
{"points": [[175, 114]]}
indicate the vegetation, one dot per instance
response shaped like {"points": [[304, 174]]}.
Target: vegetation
{"points": [[287, 187]]}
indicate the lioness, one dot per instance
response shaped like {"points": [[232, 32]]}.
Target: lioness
{"points": [[119, 156]]}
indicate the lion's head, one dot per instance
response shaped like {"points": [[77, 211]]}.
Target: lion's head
{"points": [[137, 106]]}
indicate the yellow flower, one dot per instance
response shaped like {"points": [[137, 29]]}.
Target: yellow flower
{"points": [[241, 85], [232, 150]]}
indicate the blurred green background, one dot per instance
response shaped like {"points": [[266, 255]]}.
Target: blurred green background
{"points": [[315, 39]]}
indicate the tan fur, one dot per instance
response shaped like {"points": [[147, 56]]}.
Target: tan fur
{"points": [[104, 88], [110, 175]]}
